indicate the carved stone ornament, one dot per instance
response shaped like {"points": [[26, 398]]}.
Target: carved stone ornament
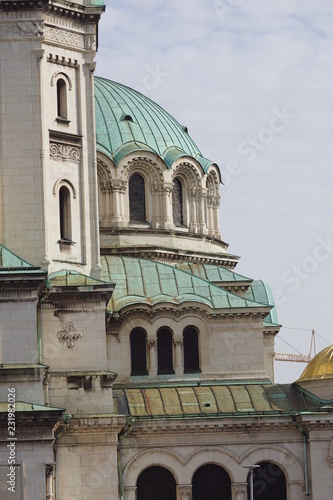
{"points": [[64, 37], [22, 29], [69, 335], [64, 152]]}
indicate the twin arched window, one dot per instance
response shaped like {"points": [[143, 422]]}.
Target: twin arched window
{"points": [[137, 200]]}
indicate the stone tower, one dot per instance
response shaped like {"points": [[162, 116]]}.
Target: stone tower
{"points": [[47, 133]]}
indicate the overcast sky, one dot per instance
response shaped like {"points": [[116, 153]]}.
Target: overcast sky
{"points": [[252, 80]]}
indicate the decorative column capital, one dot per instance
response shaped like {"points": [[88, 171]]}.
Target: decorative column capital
{"points": [[185, 491], [240, 490], [50, 469]]}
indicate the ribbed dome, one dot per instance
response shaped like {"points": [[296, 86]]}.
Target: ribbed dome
{"points": [[128, 121], [320, 367]]}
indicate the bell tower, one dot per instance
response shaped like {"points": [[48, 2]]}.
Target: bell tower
{"points": [[48, 168]]}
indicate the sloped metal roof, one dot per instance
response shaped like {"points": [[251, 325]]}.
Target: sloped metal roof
{"points": [[151, 282], [73, 278], [9, 261], [214, 400], [212, 273]]}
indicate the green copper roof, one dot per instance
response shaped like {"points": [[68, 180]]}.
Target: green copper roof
{"points": [[74, 278], [127, 121], [214, 400], [150, 282], [214, 274], [261, 292], [10, 263]]}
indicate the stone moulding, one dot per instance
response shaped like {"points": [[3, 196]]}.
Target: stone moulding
{"points": [[22, 29], [65, 146]]}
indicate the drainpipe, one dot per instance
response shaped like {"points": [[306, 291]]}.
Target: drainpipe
{"points": [[126, 430], [305, 448]]}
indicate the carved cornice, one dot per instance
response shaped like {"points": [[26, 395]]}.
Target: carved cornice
{"points": [[177, 311], [22, 29], [63, 61], [168, 256], [97, 429], [209, 435]]}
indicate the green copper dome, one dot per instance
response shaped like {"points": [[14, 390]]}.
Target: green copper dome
{"points": [[127, 121]]}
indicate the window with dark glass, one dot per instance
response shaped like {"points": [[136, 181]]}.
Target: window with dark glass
{"points": [[137, 201], [138, 352], [191, 350], [269, 482], [211, 481], [164, 352], [177, 203], [61, 99], [156, 483], [65, 214]]}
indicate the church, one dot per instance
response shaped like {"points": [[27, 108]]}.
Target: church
{"points": [[136, 363]]}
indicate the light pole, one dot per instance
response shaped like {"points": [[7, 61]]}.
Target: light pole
{"points": [[251, 468]]}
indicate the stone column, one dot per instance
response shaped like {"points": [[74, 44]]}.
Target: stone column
{"points": [[179, 367], [297, 489], [216, 218], [240, 490], [167, 205], [202, 219], [210, 216], [193, 225], [49, 471], [118, 190], [130, 493], [184, 492], [152, 357], [155, 190]]}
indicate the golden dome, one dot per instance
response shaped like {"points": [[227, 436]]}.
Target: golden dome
{"points": [[320, 367]]}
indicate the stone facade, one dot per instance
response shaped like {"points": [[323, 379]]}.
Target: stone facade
{"points": [[128, 347]]}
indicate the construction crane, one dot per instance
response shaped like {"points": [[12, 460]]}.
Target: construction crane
{"points": [[298, 358]]}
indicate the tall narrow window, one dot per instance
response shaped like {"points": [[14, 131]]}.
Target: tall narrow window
{"points": [[137, 201], [177, 203], [65, 214], [191, 350], [61, 99], [164, 352], [138, 352]]}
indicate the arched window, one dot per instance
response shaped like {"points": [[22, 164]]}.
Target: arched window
{"points": [[138, 352], [61, 99], [211, 481], [137, 201], [156, 483], [191, 350], [177, 203], [65, 214], [269, 482], [164, 352]]}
